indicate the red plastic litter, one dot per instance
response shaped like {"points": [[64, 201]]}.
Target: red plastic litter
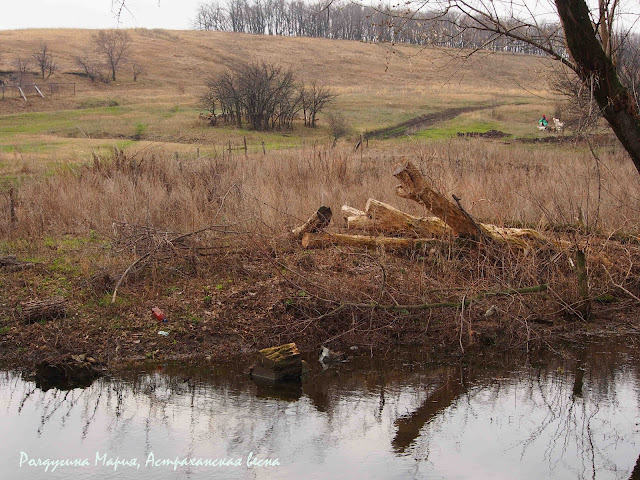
{"points": [[159, 314]]}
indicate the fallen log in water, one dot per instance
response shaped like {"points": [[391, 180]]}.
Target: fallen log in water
{"points": [[322, 240], [67, 372], [382, 217], [278, 363]]}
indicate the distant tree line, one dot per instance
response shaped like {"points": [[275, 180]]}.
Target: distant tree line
{"points": [[345, 20], [266, 96]]}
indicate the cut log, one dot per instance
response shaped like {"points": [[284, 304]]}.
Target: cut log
{"points": [[381, 217], [41, 310], [521, 237], [278, 363], [316, 222], [352, 214], [360, 222], [323, 240], [415, 187], [348, 211], [11, 263]]}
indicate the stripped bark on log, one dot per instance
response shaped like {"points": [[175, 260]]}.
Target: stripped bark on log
{"points": [[322, 240], [381, 217], [316, 222], [348, 211]]}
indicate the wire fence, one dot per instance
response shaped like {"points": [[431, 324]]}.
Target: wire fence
{"points": [[32, 89]]}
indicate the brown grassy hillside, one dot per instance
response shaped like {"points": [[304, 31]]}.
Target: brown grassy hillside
{"points": [[178, 62]]}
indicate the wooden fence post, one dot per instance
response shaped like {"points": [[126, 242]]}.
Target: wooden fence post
{"points": [[12, 208]]}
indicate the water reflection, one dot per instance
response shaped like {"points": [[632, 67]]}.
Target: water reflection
{"points": [[369, 419]]}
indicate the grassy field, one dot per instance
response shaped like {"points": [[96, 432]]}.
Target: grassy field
{"points": [[377, 86], [207, 230]]}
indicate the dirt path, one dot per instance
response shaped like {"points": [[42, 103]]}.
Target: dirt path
{"points": [[420, 123]]}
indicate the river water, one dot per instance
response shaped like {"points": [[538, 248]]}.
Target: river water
{"points": [[396, 418]]}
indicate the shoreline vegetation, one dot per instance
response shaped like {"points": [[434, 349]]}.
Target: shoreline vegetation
{"points": [[120, 200], [231, 280]]}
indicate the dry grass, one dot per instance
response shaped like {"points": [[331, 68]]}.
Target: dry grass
{"points": [[243, 284], [541, 186]]}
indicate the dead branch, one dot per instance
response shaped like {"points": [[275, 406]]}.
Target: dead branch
{"points": [[323, 240]]}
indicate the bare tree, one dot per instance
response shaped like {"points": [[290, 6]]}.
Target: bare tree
{"points": [[584, 41], [315, 97], [115, 46], [338, 125], [91, 70], [44, 60], [137, 70], [22, 66], [263, 94]]}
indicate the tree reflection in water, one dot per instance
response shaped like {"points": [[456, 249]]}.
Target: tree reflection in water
{"points": [[551, 419]]}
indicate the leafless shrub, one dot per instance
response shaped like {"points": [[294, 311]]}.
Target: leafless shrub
{"points": [[91, 69], [22, 66], [315, 98], [581, 111], [338, 125], [45, 60], [264, 95], [137, 70], [114, 46]]}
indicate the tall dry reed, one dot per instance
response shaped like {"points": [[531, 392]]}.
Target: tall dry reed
{"points": [[501, 184]]}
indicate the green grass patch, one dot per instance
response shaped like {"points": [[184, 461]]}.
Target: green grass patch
{"points": [[451, 129], [99, 102]]}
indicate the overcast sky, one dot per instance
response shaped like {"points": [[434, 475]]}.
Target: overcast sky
{"points": [[171, 14]]}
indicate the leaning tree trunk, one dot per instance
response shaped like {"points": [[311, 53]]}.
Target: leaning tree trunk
{"points": [[616, 102], [416, 188]]}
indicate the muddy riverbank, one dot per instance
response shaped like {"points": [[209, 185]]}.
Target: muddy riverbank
{"points": [[452, 304]]}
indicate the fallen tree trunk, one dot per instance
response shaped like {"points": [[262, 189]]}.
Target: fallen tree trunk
{"points": [[415, 187], [348, 211], [521, 237], [316, 222], [40, 310], [381, 217], [323, 240]]}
